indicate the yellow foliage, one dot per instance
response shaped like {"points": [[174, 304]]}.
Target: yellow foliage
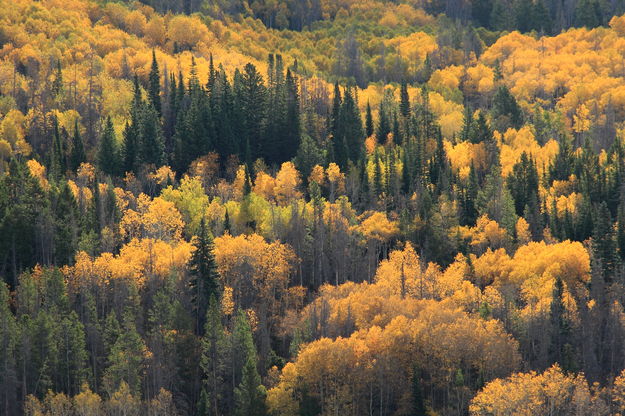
{"points": [[514, 142], [157, 218], [377, 226], [38, 171], [552, 392]]}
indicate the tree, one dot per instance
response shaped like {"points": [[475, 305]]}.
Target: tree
{"points": [[253, 100], [151, 137], [603, 242], [107, 151], [404, 105], [8, 347], [126, 359], [204, 277], [506, 111], [77, 155], [250, 394], [368, 121], [523, 183], [418, 404], [213, 358], [154, 85]]}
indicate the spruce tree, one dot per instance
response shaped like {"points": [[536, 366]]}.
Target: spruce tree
{"points": [[384, 125], [351, 129], [107, 151], [213, 356], [603, 242], [58, 164], [253, 111], [249, 393], [404, 104], [204, 278], [369, 121], [126, 358], [151, 137], [8, 349], [154, 85], [77, 155], [418, 402]]}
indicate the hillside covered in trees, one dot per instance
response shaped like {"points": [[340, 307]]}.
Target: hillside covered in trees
{"points": [[289, 207]]}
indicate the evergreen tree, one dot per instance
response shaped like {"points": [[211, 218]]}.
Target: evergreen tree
{"points": [[404, 105], [154, 85], [523, 183], [588, 14], [77, 155], [603, 242], [250, 394], [384, 125], [151, 137], [506, 111], [72, 354], [126, 359], [204, 277], [107, 151], [65, 213], [131, 148], [559, 348], [620, 231], [369, 121], [418, 402], [253, 100], [22, 203], [8, 348], [351, 130], [481, 11], [58, 162], [213, 356], [291, 130]]}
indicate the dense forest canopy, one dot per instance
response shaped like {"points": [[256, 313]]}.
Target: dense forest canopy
{"points": [[312, 207]]}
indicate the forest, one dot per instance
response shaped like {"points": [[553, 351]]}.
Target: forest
{"points": [[312, 207]]}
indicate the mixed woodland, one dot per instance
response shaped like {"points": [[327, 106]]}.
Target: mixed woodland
{"points": [[312, 207]]}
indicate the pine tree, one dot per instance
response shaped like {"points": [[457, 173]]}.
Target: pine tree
{"points": [[588, 14], [204, 277], [8, 349], [620, 231], [291, 130], [250, 394], [253, 111], [77, 155], [369, 121], [58, 164], [107, 151], [72, 354], [151, 137], [154, 85], [603, 242], [65, 213], [126, 358], [131, 148], [213, 356], [506, 110], [523, 182], [351, 129], [418, 402], [384, 125], [404, 104]]}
